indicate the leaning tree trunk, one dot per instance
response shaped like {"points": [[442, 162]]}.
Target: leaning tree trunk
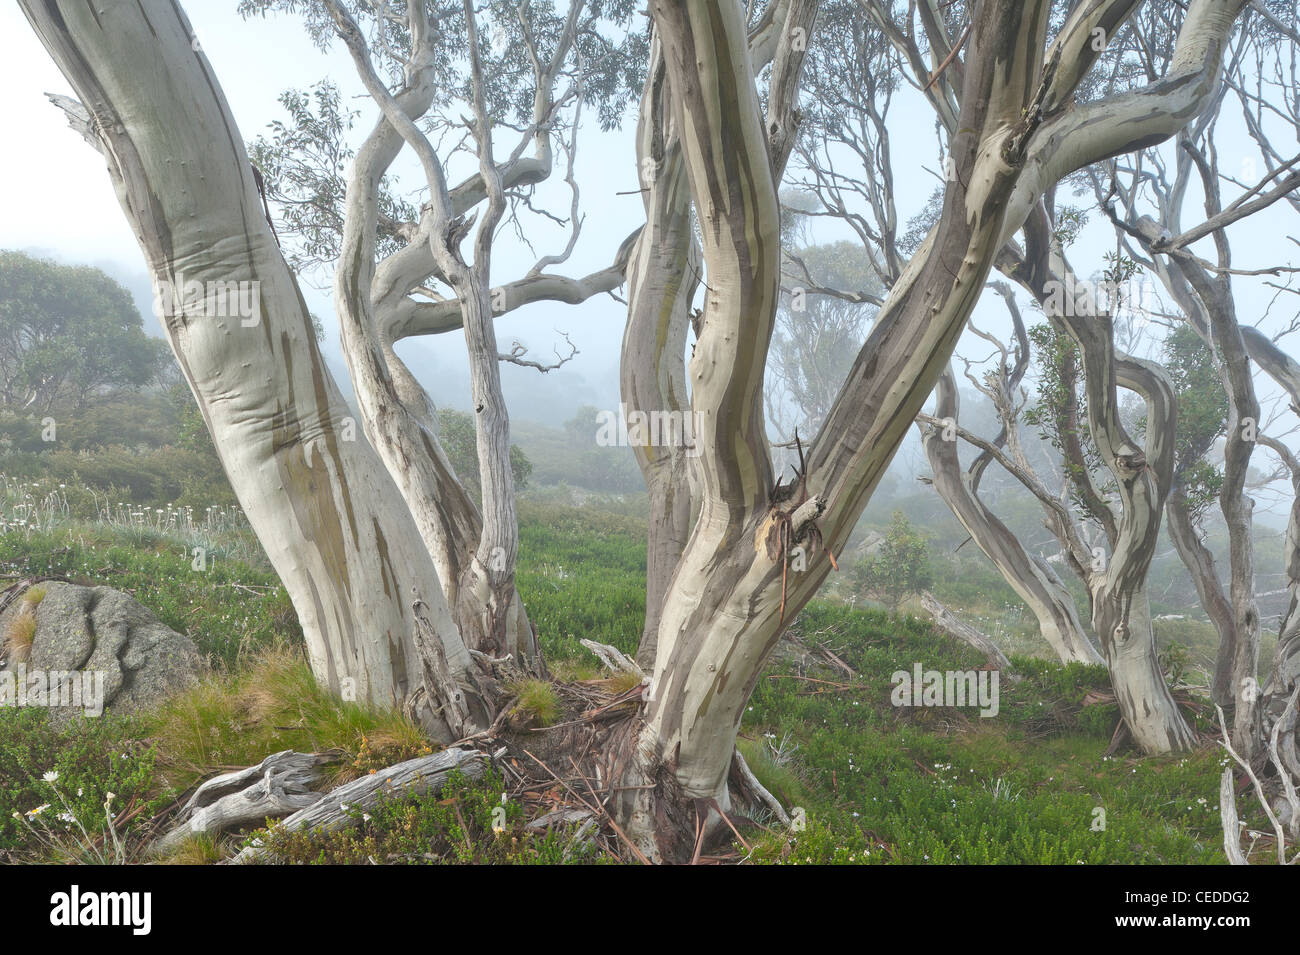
{"points": [[1274, 710], [1273, 705], [1224, 335], [1031, 578], [1207, 305], [663, 276], [325, 509]]}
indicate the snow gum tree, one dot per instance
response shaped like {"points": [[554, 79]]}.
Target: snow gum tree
{"points": [[400, 587]]}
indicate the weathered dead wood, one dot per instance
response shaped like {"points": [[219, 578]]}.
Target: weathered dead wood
{"points": [[278, 785], [613, 658], [560, 817], [757, 789], [334, 810], [1279, 830], [946, 621], [1228, 816]]}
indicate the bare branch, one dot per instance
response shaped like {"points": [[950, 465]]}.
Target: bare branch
{"points": [[518, 351]]}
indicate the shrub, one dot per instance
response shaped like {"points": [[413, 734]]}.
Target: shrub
{"points": [[900, 568], [89, 758]]}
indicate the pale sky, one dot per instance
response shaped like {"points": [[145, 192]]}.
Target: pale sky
{"points": [[56, 197]]}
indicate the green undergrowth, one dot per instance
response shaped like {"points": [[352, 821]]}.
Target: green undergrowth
{"points": [[581, 575], [945, 785], [273, 704], [226, 608], [872, 782], [467, 823], [148, 760], [56, 778]]}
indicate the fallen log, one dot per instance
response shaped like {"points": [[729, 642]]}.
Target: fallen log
{"points": [[278, 785], [946, 621], [337, 808], [613, 658]]}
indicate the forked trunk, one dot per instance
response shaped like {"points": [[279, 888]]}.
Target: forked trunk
{"points": [[1143, 476], [732, 593], [475, 554]]}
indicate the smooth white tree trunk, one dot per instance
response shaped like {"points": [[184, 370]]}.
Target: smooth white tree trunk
{"points": [[324, 507]]}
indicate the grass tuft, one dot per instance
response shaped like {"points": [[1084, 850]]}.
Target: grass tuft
{"points": [[19, 635], [621, 682], [536, 704], [198, 849], [274, 703]]}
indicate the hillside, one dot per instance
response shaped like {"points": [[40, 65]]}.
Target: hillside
{"points": [[874, 782]]}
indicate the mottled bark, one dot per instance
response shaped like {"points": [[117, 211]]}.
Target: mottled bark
{"points": [[662, 278], [1275, 704], [477, 568], [399, 419], [1215, 291], [732, 592], [722, 613]]}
